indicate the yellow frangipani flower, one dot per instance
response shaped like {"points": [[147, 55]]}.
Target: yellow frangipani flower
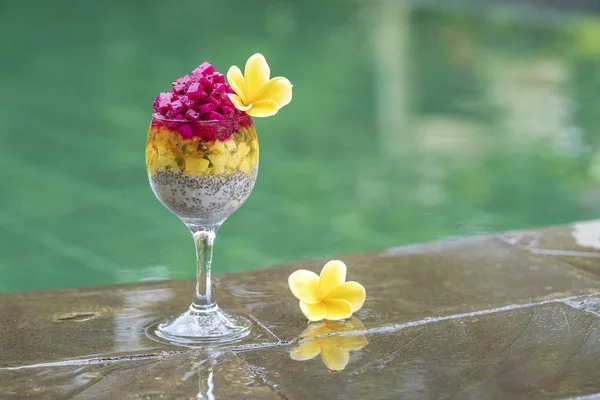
{"points": [[255, 93], [327, 296], [327, 339]]}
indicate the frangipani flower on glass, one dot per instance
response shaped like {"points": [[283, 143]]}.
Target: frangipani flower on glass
{"points": [[255, 93], [327, 296]]}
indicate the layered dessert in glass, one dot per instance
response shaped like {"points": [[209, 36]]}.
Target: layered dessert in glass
{"points": [[202, 163]]}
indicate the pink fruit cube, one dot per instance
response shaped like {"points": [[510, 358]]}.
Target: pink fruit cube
{"points": [[213, 100], [220, 88], [203, 69], [195, 90], [218, 77], [206, 84], [227, 111], [187, 102], [178, 87], [162, 102], [177, 106], [226, 102], [182, 83], [214, 116], [185, 130], [206, 108], [192, 115], [206, 133]]}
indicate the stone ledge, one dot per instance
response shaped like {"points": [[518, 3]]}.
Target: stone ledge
{"points": [[489, 317]]}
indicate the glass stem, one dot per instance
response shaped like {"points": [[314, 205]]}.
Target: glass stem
{"points": [[203, 240]]}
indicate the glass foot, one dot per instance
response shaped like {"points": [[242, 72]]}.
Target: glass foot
{"points": [[203, 327]]}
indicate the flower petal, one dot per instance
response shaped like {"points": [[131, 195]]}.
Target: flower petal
{"points": [[337, 309], [333, 274], [313, 329], [354, 324], [304, 285], [237, 83], [335, 358], [237, 102], [262, 108], [306, 350], [277, 89], [256, 74], [353, 292], [314, 312], [351, 342]]}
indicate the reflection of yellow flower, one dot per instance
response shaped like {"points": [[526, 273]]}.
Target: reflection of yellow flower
{"points": [[327, 296], [255, 93], [335, 349]]}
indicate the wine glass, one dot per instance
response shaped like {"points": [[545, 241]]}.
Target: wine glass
{"points": [[202, 171]]}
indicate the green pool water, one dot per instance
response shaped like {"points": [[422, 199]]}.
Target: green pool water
{"points": [[408, 124]]}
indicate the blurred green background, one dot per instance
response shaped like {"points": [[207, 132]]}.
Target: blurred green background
{"points": [[408, 124]]}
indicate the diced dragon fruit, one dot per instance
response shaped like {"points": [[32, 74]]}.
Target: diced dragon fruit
{"points": [[187, 102], [192, 115], [205, 133], [162, 102], [177, 106], [201, 96], [206, 84], [206, 108], [178, 87], [195, 90], [203, 69], [185, 130], [214, 116], [214, 101], [227, 112], [225, 101], [221, 87], [181, 85], [218, 77]]}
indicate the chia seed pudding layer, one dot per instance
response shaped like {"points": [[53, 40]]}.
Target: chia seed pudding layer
{"points": [[208, 199]]}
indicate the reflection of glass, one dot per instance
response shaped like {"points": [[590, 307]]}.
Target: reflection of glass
{"points": [[327, 338], [206, 385], [202, 180]]}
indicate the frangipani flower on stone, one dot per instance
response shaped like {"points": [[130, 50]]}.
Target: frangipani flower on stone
{"points": [[327, 296], [255, 93], [327, 338]]}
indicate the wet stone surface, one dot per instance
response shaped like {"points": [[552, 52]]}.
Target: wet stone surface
{"points": [[577, 245], [543, 351], [418, 282], [103, 323], [484, 318], [222, 375]]}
